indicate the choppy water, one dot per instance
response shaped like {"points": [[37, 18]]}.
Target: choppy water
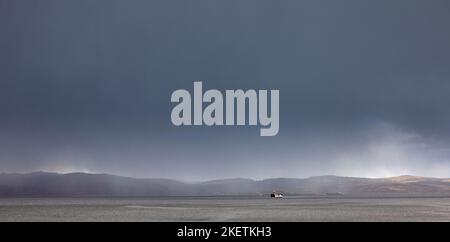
{"points": [[225, 209]]}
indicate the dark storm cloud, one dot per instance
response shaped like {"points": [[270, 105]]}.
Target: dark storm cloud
{"points": [[85, 85]]}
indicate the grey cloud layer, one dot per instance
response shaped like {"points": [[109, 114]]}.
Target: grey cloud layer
{"points": [[85, 85]]}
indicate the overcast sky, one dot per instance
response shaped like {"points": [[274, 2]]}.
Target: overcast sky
{"points": [[364, 86]]}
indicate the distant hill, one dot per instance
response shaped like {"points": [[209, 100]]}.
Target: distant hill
{"points": [[82, 184]]}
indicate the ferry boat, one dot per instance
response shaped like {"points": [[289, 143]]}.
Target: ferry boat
{"points": [[276, 195]]}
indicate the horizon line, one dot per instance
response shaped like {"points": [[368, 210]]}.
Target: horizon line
{"points": [[216, 179]]}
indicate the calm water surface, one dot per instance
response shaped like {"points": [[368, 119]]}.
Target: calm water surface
{"points": [[225, 209]]}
